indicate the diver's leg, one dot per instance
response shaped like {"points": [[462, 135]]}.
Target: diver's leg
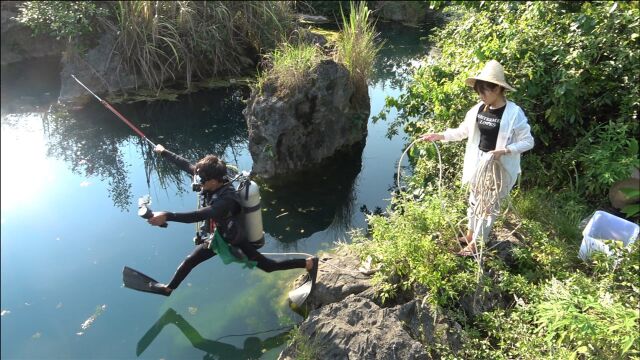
{"points": [[200, 253], [269, 265]]}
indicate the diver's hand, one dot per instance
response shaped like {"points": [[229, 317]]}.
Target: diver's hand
{"points": [[159, 218], [498, 153], [431, 137], [159, 149]]}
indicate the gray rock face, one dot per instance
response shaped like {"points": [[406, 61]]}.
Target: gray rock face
{"points": [[338, 278], [406, 12], [357, 328], [99, 70], [297, 131], [18, 41], [347, 320]]}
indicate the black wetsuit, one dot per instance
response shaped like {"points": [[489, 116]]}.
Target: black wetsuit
{"points": [[222, 208]]}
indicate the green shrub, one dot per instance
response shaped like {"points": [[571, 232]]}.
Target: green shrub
{"points": [[60, 19], [415, 248], [574, 67], [580, 315]]}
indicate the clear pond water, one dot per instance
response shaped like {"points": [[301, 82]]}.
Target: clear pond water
{"points": [[70, 184]]}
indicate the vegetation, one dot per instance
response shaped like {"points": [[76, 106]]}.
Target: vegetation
{"points": [[163, 40], [574, 67], [60, 19], [356, 47], [291, 66]]}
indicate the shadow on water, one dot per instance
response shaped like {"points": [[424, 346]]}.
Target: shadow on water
{"points": [[313, 200], [91, 140], [252, 349]]}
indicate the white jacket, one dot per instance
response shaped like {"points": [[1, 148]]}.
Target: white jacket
{"points": [[514, 135]]}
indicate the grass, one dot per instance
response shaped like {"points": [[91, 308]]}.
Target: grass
{"points": [[291, 66], [184, 40], [357, 46]]}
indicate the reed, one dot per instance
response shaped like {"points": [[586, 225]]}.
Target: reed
{"points": [[160, 40], [358, 45]]}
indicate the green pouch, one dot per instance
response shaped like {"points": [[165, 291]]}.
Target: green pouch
{"points": [[221, 248]]}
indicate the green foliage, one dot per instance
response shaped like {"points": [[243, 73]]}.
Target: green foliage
{"points": [[60, 19], [632, 209], [160, 40], [582, 316], [357, 45], [412, 248], [574, 66], [305, 349], [290, 66]]}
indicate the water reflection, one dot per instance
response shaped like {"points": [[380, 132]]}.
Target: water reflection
{"points": [[91, 140], [399, 55], [252, 349], [315, 199]]}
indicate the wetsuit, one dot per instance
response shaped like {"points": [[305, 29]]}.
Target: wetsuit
{"points": [[221, 208]]}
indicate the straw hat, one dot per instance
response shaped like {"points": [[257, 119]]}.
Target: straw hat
{"points": [[493, 73]]}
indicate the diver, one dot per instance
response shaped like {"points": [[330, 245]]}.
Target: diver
{"points": [[222, 213]]}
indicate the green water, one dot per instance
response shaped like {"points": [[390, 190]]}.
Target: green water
{"points": [[70, 184]]}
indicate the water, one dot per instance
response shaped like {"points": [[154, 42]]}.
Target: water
{"points": [[70, 184]]}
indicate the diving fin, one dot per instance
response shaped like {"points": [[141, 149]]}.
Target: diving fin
{"points": [[136, 280]]}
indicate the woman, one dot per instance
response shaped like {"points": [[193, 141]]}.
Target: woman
{"points": [[495, 129]]}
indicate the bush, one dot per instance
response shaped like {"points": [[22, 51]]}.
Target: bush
{"points": [[60, 19], [411, 247], [574, 66]]}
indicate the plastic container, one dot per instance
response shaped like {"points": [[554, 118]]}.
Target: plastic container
{"points": [[604, 226]]}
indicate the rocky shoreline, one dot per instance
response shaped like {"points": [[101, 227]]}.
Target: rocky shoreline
{"points": [[347, 320]]}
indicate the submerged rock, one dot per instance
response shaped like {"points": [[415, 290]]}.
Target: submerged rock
{"points": [[296, 131]]}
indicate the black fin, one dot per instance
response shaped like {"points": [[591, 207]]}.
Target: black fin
{"points": [[136, 280]]}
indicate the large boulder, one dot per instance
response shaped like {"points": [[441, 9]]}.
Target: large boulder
{"points": [[297, 131], [357, 328], [18, 41]]}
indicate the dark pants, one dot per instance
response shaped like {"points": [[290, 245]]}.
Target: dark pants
{"points": [[201, 253]]}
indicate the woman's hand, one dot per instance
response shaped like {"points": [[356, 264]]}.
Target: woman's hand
{"points": [[158, 218], [431, 137], [498, 153], [159, 149]]}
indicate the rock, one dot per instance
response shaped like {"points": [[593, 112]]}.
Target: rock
{"points": [[357, 328], [617, 198], [99, 70], [293, 132], [406, 12], [338, 278], [18, 41]]}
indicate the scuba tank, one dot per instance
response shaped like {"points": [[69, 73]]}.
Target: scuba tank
{"points": [[249, 197]]}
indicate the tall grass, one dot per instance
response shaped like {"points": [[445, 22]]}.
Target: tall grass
{"points": [[357, 46], [290, 66], [161, 39]]}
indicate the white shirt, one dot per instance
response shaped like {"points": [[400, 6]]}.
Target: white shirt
{"points": [[514, 135]]}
